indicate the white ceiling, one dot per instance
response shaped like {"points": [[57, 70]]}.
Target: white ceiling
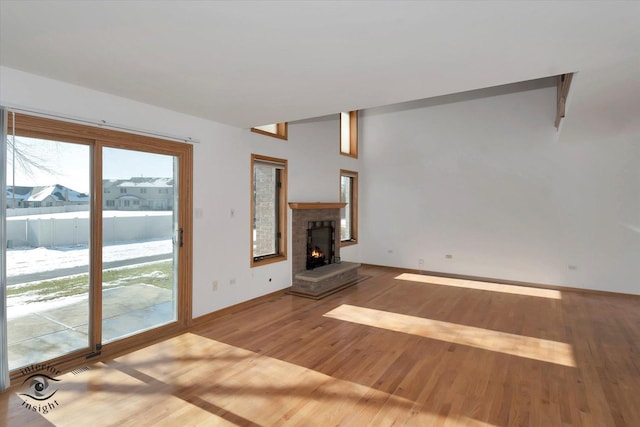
{"points": [[248, 63]]}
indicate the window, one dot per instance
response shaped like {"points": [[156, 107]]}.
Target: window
{"points": [[110, 203], [123, 190], [349, 134], [349, 214], [277, 130], [269, 210], [143, 190]]}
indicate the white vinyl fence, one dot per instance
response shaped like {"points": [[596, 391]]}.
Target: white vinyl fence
{"points": [[54, 232]]}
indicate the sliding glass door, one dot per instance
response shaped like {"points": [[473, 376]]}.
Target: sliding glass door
{"points": [[48, 222], [97, 244], [140, 241]]}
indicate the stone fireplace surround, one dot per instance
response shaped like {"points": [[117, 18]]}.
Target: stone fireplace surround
{"points": [[320, 281]]}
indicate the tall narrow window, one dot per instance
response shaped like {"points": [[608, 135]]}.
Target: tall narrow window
{"points": [[269, 212], [277, 130], [349, 134], [349, 214]]}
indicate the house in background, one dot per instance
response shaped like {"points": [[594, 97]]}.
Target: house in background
{"points": [[138, 194], [44, 196]]}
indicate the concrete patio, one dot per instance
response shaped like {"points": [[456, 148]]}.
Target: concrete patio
{"points": [[47, 334]]}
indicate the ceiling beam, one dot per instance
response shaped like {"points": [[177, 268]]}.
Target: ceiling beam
{"points": [[564, 83]]}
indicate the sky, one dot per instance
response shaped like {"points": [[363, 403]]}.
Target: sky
{"points": [[69, 164]]}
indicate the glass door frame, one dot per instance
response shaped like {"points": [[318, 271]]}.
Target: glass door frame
{"points": [[97, 138], [4, 358]]}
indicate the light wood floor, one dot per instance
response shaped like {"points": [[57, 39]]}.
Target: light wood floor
{"points": [[437, 355]]}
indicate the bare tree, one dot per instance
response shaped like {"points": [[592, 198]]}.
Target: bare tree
{"points": [[25, 157]]}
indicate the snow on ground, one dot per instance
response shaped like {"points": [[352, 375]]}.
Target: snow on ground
{"points": [[85, 214], [20, 306], [36, 260], [24, 304]]}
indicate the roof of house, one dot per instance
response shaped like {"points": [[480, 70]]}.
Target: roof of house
{"points": [[138, 182], [57, 192]]}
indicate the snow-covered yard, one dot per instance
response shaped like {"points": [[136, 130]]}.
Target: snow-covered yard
{"points": [[23, 261]]}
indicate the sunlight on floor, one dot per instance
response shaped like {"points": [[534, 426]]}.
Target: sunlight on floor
{"points": [[206, 382], [517, 345], [484, 286]]}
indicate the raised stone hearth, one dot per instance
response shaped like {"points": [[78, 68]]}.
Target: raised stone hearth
{"points": [[325, 280]]}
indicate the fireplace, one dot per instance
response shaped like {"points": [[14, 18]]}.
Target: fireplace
{"points": [[314, 235], [320, 243]]}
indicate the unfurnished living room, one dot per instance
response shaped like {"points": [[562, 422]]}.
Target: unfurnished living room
{"points": [[317, 213]]}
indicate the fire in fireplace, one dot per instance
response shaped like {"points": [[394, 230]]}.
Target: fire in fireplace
{"points": [[320, 243]]}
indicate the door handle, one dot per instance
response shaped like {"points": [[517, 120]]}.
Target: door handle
{"points": [[181, 238]]}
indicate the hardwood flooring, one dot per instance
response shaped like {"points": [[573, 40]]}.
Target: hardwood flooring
{"points": [[391, 350]]}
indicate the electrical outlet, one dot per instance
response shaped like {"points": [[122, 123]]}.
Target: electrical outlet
{"points": [[573, 267], [448, 256], [232, 281], [420, 261], [214, 285]]}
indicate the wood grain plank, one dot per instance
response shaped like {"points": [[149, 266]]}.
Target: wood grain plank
{"points": [[281, 361]]}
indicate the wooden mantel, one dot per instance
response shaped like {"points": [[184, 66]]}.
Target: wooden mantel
{"points": [[316, 205]]}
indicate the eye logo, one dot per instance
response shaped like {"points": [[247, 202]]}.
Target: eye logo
{"points": [[41, 387]]}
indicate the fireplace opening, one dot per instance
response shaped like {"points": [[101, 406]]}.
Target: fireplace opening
{"points": [[320, 243]]}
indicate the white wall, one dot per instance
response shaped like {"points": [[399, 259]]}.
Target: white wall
{"points": [[221, 246], [485, 177], [482, 176]]}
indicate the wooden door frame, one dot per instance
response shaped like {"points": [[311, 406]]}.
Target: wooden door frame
{"points": [[97, 138]]}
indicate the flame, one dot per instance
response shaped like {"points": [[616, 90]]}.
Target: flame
{"points": [[316, 253]]}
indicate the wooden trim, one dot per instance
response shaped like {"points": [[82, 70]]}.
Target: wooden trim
{"points": [[185, 212], [353, 135], [317, 205], [233, 309], [354, 206], [58, 130], [98, 138], [353, 128], [506, 281], [282, 131], [95, 273], [78, 358], [564, 83], [282, 218]]}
